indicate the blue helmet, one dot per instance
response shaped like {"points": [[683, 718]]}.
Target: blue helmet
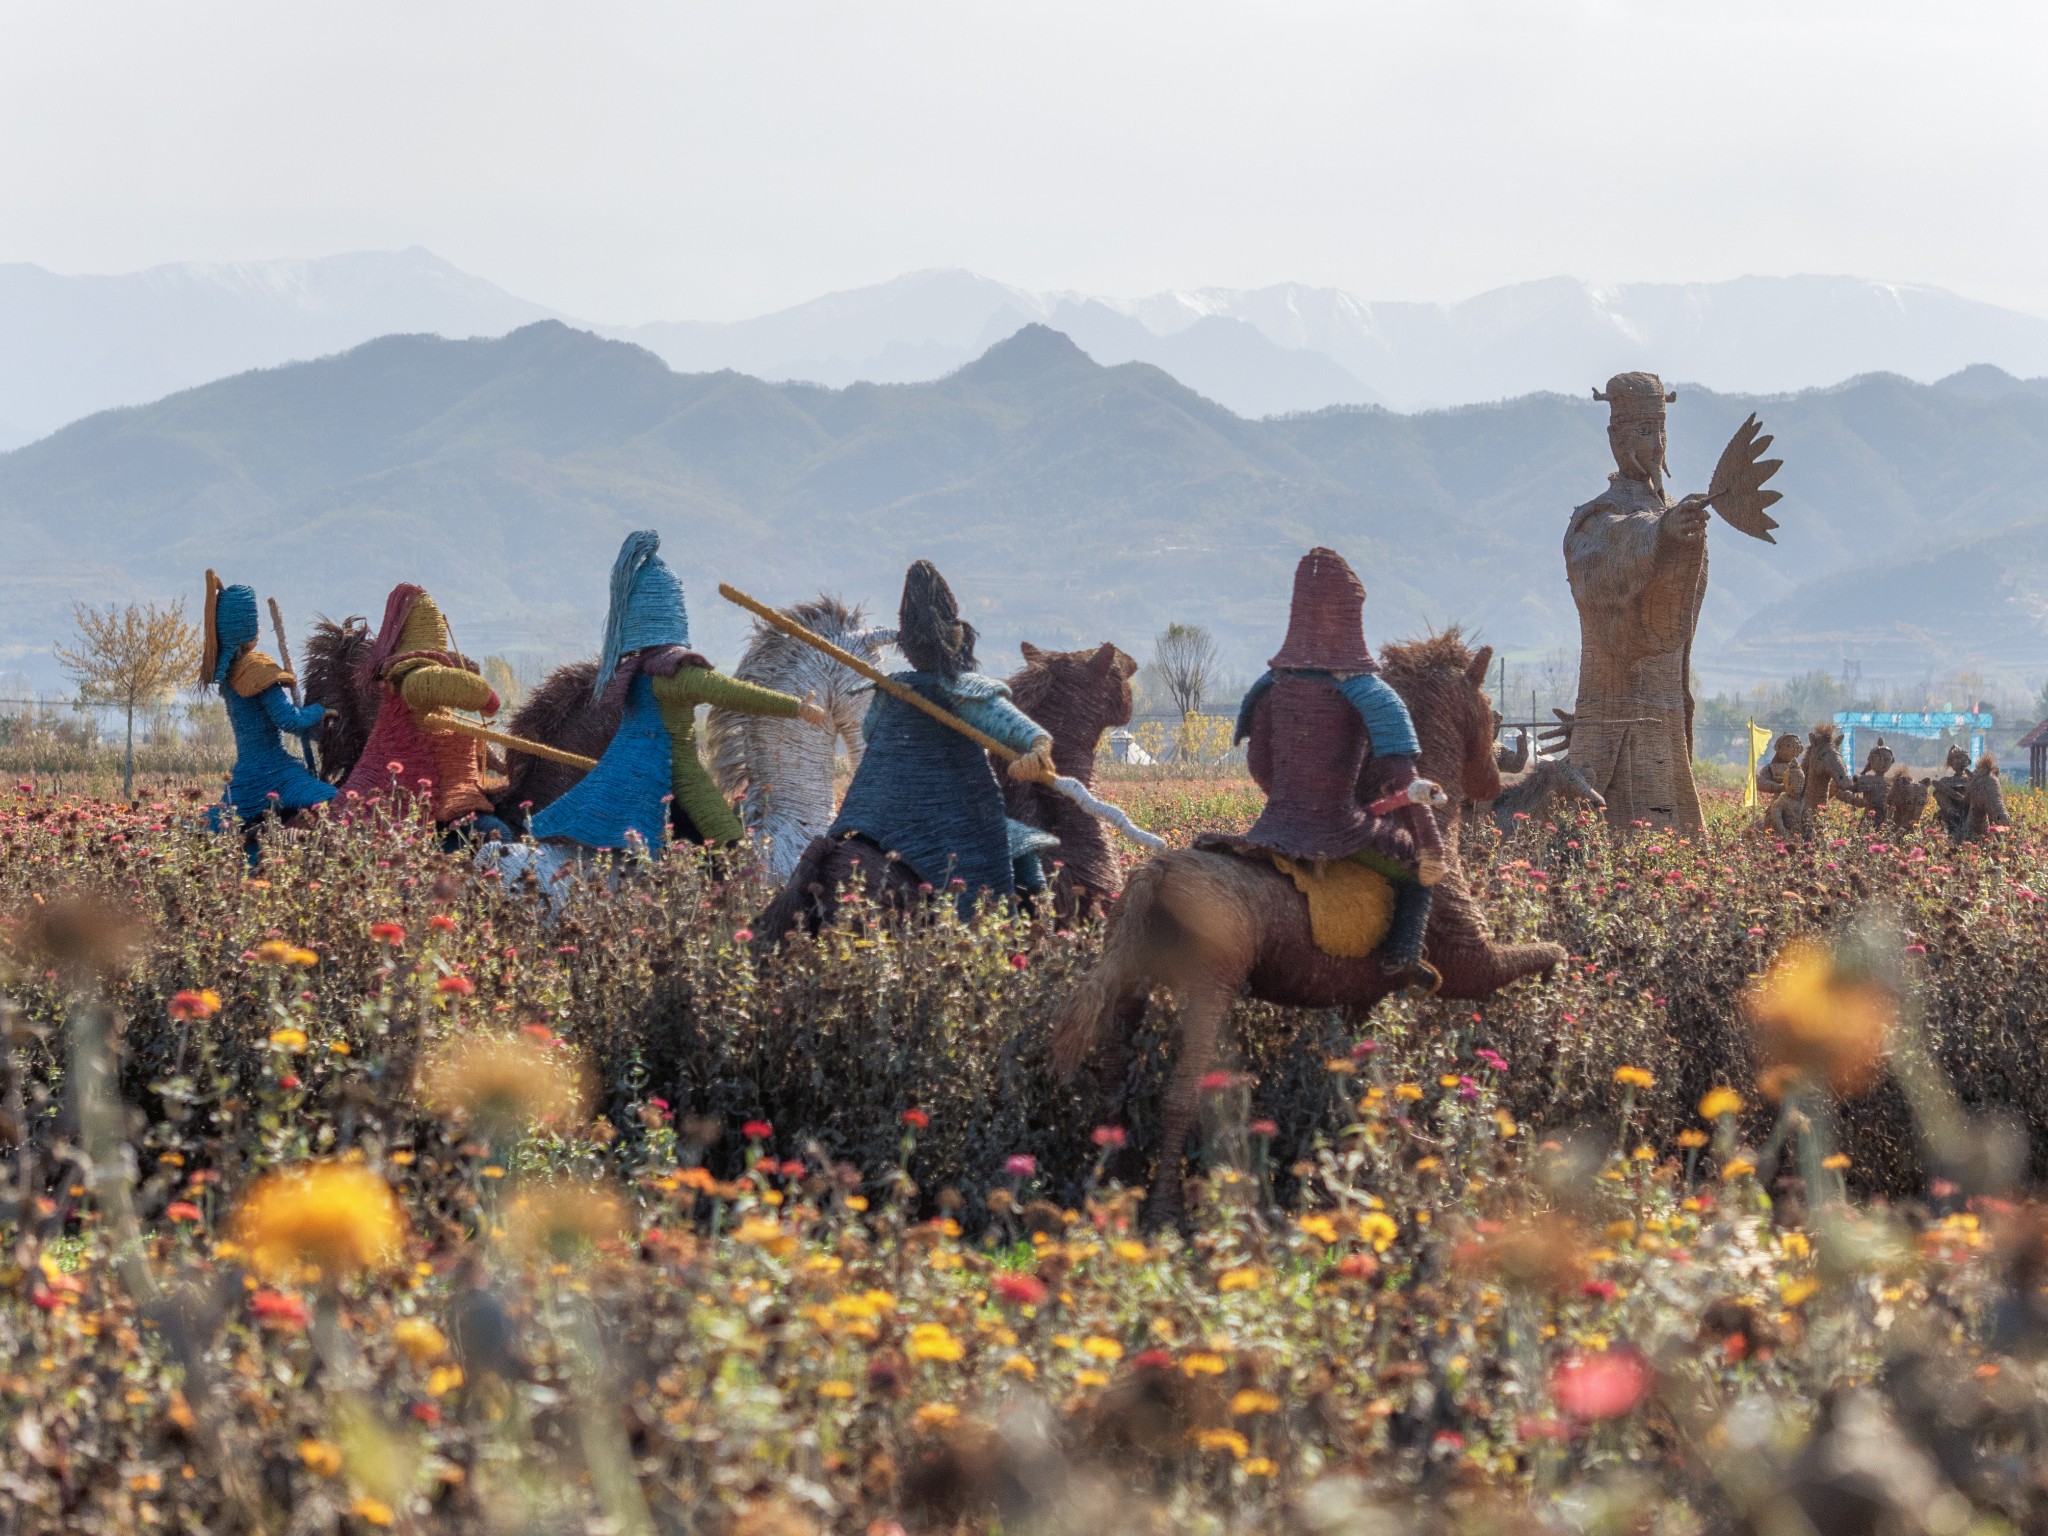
{"points": [[646, 607], [231, 624]]}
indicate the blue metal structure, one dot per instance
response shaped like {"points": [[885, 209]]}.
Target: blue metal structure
{"points": [[1929, 725]]}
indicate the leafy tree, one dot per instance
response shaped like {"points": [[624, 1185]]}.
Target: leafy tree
{"points": [[131, 657], [1185, 656]]}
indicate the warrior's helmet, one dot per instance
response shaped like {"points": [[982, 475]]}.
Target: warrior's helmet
{"points": [[230, 624], [646, 605], [930, 632], [1326, 624], [1635, 419]]}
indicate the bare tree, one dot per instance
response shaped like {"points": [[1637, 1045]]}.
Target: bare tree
{"points": [[1185, 655], [131, 657]]}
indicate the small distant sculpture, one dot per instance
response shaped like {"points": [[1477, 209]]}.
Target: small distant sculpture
{"points": [[1637, 562], [1969, 800], [1892, 795], [1781, 783]]}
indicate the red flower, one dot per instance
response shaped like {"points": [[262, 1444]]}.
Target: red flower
{"points": [[540, 1034], [184, 1210], [426, 1413], [289, 1081], [916, 1119], [757, 1130], [1109, 1136], [1599, 1290], [1152, 1360], [1218, 1082], [1263, 1128], [1021, 1290], [1602, 1386], [186, 1006], [275, 1309], [455, 986], [441, 922], [792, 1169], [1358, 1266], [388, 933], [1020, 962]]}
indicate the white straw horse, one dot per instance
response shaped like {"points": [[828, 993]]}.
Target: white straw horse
{"points": [[780, 772]]}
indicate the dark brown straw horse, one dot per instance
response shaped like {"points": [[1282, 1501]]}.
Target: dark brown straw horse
{"points": [[1210, 926], [1076, 695]]}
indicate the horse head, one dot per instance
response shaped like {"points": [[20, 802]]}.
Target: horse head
{"points": [[1076, 695], [1443, 682], [1823, 763]]}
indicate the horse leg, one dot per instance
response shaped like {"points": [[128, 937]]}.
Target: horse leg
{"points": [[1205, 1003]]}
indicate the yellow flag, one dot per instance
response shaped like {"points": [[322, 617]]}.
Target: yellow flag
{"points": [[1759, 743]]}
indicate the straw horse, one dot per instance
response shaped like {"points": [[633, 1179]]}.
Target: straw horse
{"points": [[1972, 810], [1211, 925], [779, 771], [1076, 695], [1826, 773]]}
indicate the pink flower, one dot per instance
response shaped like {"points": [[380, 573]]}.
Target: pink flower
{"points": [[1264, 1128], [1020, 1290], [1108, 1136], [743, 936], [1020, 962], [1218, 1082], [1020, 1165], [1602, 1386]]}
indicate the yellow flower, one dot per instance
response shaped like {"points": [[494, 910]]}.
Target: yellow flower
{"points": [[1634, 1077], [1253, 1401], [1223, 1440], [1378, 1229], [341, 1218], [1692, 1138], [835, 1389], [277, 952], [1135, 1253], [1243, 1278], [1620, 1231], [560, 1219], [1203, 1364], [1737, 1168], [1407, 1092], [288, 1039], [1795, 1244], [1259, 1466], [1090, 1379], [372, 1511], [1795, 1291], [1343, 1066], [504, 1081], [934, 1341], [1719, 1102], [1319, 1227], [419, 1340], [1835, 1161], [1101, 1348], [1448, 1080], [320, 1457], [936, 1416], [443, 1379], [1816, 1021], [1018, 1365]]}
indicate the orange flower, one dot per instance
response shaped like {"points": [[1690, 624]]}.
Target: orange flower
{"points": [[203, 1004], [338, 1216], [1814, 1022]]}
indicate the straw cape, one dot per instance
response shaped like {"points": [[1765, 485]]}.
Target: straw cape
{"points": [[267, 777], [651, 782], [418, 671], [926, 793]]}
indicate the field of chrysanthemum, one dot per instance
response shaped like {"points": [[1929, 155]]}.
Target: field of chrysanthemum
{"points": [[358, 1194]]}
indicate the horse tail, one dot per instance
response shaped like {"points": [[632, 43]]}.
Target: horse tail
{"points": [[1119, 974]]}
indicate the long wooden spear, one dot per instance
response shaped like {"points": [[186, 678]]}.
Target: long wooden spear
{"points": [[284, 659], [441, 720], [1073, 789]]}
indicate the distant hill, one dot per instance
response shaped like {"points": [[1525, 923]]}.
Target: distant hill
{"points": [[1069, 502], [70, 346]]}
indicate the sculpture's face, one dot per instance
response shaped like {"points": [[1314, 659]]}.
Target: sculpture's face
{"points": [[1639, 449]]}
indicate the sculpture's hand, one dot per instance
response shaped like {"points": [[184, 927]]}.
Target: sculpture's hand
{"points": [[1686, 522], [1035, 766], [811, 712], [1558, 738]]}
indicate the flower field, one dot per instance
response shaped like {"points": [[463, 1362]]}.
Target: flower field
{"points": [[358, 1195]]}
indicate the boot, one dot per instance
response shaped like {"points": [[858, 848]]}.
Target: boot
{"points": [[1401, 951]]}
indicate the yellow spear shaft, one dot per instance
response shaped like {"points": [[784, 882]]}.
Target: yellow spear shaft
{"points": [[880, 679], [440, 721]]}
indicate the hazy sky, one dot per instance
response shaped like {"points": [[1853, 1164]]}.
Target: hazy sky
{"points": [[628, 162]]}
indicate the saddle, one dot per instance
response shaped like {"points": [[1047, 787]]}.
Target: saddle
{"points": [[1350, 907]]}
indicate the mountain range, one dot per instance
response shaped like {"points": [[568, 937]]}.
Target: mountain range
{"points": [[70, 346], [1068, 501]]}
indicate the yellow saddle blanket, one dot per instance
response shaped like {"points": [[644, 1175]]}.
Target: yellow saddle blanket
{"points": [[1350, 907]]}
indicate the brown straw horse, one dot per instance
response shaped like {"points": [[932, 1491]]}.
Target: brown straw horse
{"points": [[1076, 695], [1209, 926]]}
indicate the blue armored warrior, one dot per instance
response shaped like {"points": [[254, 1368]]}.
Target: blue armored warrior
{"points": [[267, 777]]}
